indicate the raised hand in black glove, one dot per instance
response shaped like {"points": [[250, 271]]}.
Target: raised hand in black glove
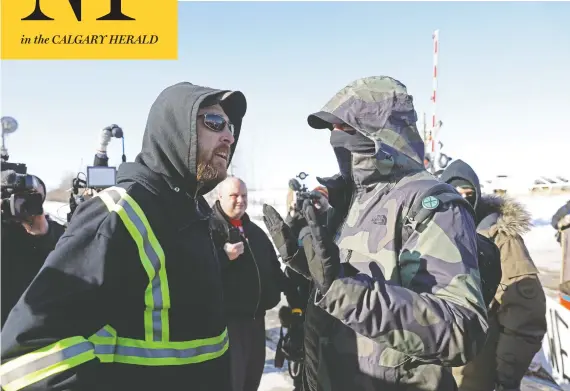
{"points": [[280, 232], [324, 266]]}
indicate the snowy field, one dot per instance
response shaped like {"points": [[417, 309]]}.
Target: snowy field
{"points": [[540, 241]]}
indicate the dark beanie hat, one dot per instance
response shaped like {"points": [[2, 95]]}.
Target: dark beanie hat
{"points": [[460, 182]]}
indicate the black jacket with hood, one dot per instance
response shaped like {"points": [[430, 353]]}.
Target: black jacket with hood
{"points": [[461, 170], [253, 282], [22, 257], [134, 285]]}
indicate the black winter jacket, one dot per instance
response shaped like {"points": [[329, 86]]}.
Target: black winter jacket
{"points": [[254, 281], [22, 257], [134, 286]]}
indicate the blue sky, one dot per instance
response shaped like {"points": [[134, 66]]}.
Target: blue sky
{"points": [[504, 84]]}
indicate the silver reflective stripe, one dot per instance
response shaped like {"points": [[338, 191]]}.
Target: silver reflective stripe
{"points": [[157, 353], [45, 362], [111, 348], [156, 321], [104, 333], [155, 261], [42, 363]]}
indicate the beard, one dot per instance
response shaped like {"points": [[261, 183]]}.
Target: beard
{"points": [[207, 172]]}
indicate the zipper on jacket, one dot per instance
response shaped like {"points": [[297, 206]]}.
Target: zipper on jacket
{"points": [[258, 278], [216, 258]]}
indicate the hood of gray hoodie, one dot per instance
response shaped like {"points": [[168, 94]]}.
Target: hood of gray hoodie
{"points": [[170, 141]]}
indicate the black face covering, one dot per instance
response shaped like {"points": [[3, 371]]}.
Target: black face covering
{"points": [[471, 198], [344, 143]]}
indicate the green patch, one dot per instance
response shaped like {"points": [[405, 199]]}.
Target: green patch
{"points": [[430, 202]]}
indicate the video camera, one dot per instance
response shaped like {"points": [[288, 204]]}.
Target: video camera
{"points": [[22, 194], [99, 176], [302, 193]]}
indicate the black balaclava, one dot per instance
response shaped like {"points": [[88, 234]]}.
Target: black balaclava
{"points": [[465, 184], [344, 144]]}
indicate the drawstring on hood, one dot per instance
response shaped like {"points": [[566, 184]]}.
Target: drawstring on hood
{"points": [[170, 141], [382, 111]]}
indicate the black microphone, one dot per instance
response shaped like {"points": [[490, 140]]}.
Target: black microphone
{"points": [[116, 131], [294, 184]]}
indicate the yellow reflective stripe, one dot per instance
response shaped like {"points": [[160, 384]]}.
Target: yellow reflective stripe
{"points": [[107, 336], [110, 348], [42, 363], [162, 277], [157, 294]]}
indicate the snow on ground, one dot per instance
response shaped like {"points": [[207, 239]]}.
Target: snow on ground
{"points": [[540, 241]]}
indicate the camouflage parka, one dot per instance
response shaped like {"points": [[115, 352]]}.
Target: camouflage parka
{"points": [[400, 311]]}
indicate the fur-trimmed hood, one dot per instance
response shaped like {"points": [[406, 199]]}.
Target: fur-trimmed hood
{"points": [[509, 216]]}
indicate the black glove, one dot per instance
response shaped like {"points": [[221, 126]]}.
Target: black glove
{"points": [[324, 266], [280, 232]]}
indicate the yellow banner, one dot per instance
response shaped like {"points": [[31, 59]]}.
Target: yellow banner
{"points": [[89, 29]]}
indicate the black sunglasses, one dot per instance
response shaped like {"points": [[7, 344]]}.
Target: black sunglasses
{"points": [[217, 123]]}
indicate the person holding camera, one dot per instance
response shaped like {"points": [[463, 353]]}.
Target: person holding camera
{"points": [[319, 197], [252, 281], [27, 239], [292, 342], [295, 220], [300, 229], [101, 159]]}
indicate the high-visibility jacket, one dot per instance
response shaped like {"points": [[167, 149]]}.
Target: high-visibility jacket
{"points": [[130, 299]]}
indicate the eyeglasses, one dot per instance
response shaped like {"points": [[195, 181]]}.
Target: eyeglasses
{"points": [[217, 123]]}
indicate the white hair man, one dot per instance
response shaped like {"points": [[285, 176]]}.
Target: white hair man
{"points": [[252, 281]]}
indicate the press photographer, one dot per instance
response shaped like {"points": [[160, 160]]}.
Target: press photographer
{"points": [[289, 236], [28, 235], [296, 196], [99, 175]]}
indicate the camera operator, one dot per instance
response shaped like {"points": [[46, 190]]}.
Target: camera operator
{"points": [[100, 160], [319, 198], [292, 343], [28, 235]]}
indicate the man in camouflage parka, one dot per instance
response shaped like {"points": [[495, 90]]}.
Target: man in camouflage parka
{"points": [[385, 314]]}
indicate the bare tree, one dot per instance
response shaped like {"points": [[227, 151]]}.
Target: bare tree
{"points": [[61, 193]]}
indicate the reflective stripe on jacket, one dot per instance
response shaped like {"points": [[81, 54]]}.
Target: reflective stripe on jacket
{"points": [[156, 348]]}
